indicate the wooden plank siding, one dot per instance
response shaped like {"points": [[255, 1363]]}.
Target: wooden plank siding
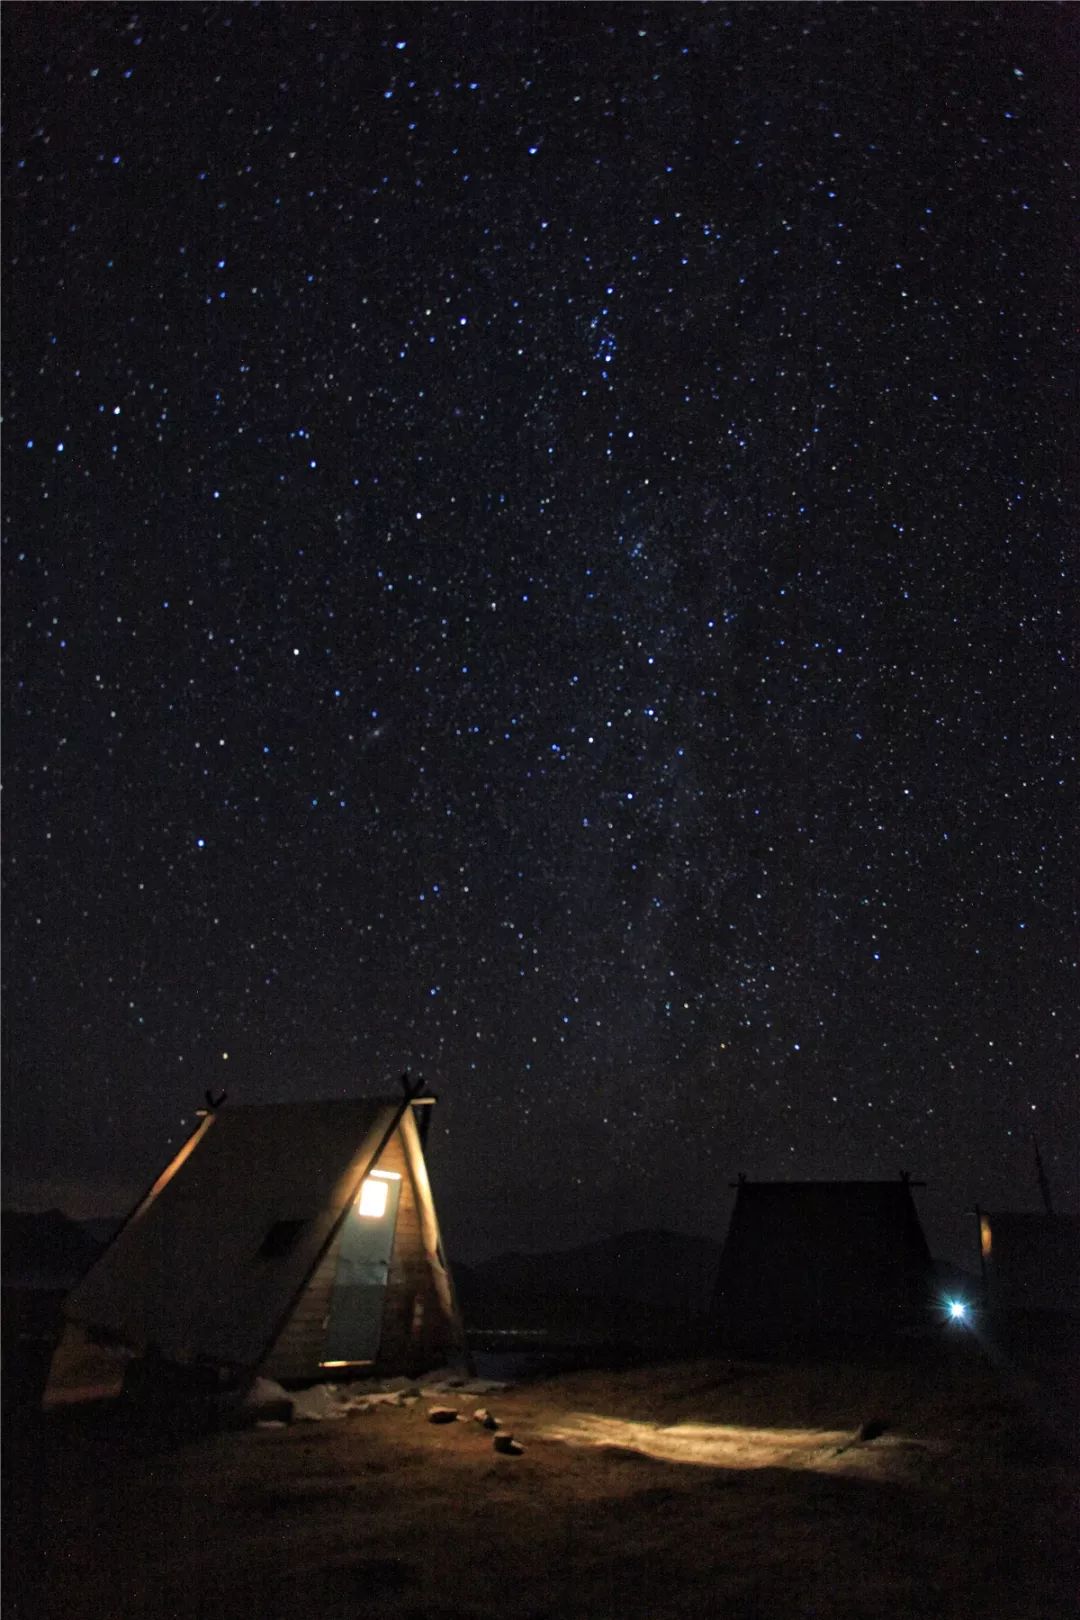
{"points": [[411, 1315], [416, 1333], [298, 1350]]}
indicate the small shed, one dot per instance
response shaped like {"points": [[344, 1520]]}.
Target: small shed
{"points": [[1030, 1261], [295, 1240], [822, 1259]]}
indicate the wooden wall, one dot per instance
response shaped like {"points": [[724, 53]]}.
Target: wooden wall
{"points": [[416, 1332], [299, 1347]]}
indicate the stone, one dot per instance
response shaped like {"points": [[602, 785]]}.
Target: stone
{"points": [[872, 1428]]}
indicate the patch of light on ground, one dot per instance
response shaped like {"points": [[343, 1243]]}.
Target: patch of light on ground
{"points": [[712, 1445]]}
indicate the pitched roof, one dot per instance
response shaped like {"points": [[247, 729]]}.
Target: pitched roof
{"points": [[828, 1200], [186, 1274]]}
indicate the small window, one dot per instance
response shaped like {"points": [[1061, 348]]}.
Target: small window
{"points": [[373, 1198], [280, 1239]]}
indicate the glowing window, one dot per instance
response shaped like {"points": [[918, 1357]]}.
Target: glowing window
{"points": [[373, 1198]]}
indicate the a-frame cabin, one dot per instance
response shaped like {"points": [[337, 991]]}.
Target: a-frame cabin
{"points": [[808, 1260], [295, 1240], [1030, 1262]]}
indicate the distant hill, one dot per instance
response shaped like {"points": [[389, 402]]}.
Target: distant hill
{"points": [[643, 1287], [640, 1285], [45, 1250]]}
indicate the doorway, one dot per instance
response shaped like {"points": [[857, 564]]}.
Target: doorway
{"points": [[367, 1242]]}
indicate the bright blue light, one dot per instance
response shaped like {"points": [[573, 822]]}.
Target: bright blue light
{"points": [[957, 1310]]}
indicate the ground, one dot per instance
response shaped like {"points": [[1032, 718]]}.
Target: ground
{"points": [[691, 1488]]}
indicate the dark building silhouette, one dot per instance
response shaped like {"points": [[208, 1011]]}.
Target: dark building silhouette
{"points": [[810, 1259]]}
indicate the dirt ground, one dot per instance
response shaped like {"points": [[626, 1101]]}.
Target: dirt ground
{"points": [[693, 1488]]}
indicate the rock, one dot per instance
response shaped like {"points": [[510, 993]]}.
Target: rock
{"points": [[486, 1419], [872, 1428], [442, 1414], [507, 1446]]}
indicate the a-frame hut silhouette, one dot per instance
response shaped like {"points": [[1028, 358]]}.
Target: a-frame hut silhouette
{"points": [[296, 1240], [1030, 1261], [821, 1260]]}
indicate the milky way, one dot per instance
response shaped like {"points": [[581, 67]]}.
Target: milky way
{"points": [[535, 551]]}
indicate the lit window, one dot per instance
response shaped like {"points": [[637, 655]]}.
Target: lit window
{"points": [[373, 1196]]}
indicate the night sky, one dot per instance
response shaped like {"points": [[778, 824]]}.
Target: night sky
{"points": [[537, 548]]}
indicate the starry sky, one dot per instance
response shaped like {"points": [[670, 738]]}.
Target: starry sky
{"points": [[537, 546]]}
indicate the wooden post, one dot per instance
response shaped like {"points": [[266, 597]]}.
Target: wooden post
{"points": [[1044, 1186]]}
